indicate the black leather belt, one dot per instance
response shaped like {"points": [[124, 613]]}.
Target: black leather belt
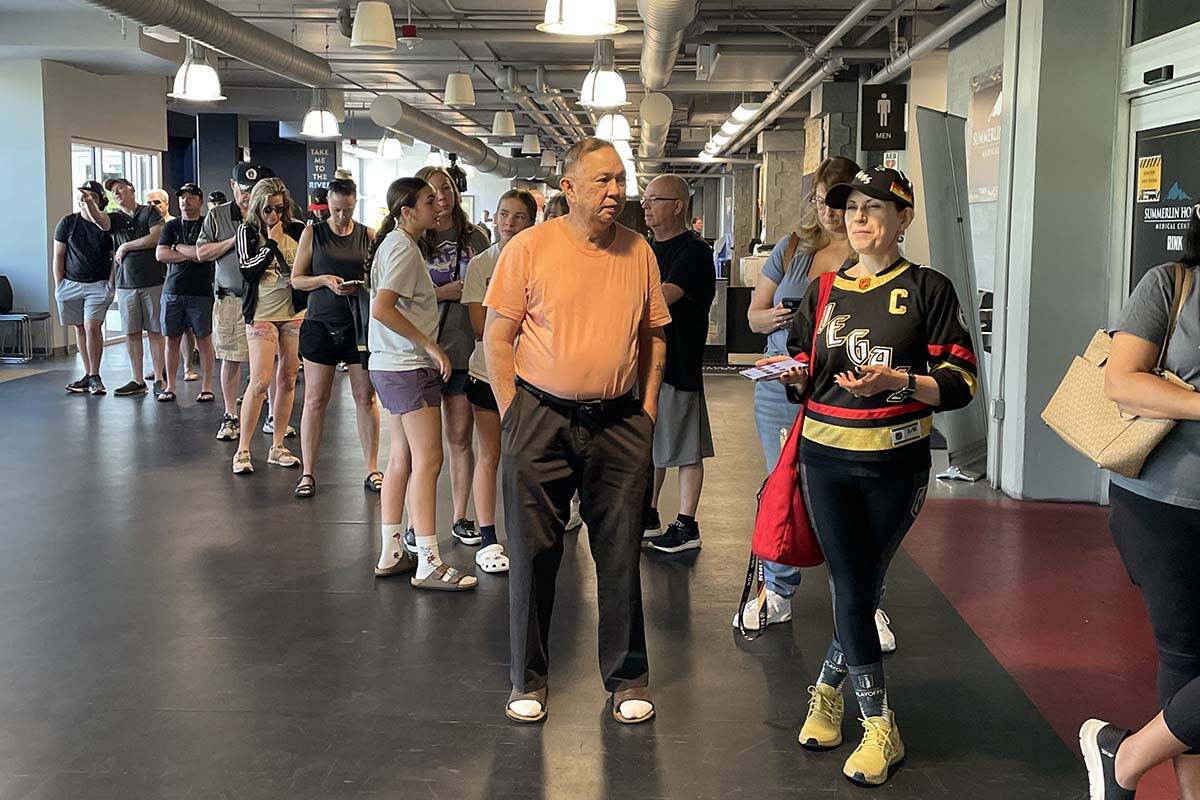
{"points": [[609, 407]]}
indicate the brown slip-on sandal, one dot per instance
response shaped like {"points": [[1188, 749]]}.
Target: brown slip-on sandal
{"points": [[538, 697], [635, 693], [406, 564], [445, 578]]}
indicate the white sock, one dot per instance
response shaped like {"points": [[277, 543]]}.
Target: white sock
{"points": [[428, 558], [391, 547], [633, 709], [526, 708]]}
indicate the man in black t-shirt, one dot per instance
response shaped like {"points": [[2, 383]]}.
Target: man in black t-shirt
{"points": [[681, 434], [187, 298], [83, 280], [135, 230]]}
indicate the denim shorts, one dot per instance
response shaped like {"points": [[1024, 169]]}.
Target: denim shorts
{"points": [[183, 311]]}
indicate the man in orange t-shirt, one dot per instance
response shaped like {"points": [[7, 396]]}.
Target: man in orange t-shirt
{"points": [[583, 294]]}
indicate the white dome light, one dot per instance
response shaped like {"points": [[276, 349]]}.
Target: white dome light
{"points": [[319, 122], [503, 125], [196, 80], [530, 145], [603, 87], [435, 159], [374, 30], [614, 128], [390, 147], [581, 18], [459, 90]]}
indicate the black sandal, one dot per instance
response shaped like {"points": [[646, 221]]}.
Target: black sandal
{"points": [[374, 482], [306, 486], [205, 397], [165, 397]]}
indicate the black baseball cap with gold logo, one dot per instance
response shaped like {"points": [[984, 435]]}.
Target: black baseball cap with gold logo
{"points": [[246, 174], [878, 182]]}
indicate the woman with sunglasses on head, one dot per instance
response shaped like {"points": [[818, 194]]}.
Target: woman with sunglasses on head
{"points": [[408, 368], [267, 241], [450, 246], [891, 348], [331, 263], [516, 211]]}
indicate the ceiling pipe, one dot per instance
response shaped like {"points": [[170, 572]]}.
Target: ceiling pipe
{"points": [[655, 111], [388, 112], [515, 92], [898, 8], [766, 112], [974, 12], [826, 70], [571, 79], [666, 21], [221, 31]]}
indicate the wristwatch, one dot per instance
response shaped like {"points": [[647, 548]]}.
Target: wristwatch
{"points": [[910, 388]]}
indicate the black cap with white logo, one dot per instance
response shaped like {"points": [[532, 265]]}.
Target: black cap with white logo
{"points": [[94, 187], [190, 188], [878, 182]]}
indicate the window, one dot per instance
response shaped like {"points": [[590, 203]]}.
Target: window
{"points": [[1153, 18], [99, 163]]}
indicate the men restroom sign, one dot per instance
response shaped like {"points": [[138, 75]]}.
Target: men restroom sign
{"points": [[883, 113]]}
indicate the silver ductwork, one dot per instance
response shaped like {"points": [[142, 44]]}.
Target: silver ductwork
{"points": [[655, 111], [221, 31], [666, 21], [960, 21], [388, 112]]}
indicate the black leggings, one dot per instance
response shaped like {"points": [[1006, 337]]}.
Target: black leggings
{"points": [[1160, 545], [859, 523]]}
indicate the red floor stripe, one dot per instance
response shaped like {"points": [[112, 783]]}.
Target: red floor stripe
{"points": [[1044, 588]]}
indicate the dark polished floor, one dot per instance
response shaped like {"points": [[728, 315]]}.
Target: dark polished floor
{"points": [[169, 630]]}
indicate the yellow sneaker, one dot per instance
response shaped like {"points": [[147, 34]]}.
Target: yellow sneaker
{"points": [[880, 750], [823, 726]]}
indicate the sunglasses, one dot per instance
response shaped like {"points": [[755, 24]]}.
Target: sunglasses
{"points": [[274, 209]]}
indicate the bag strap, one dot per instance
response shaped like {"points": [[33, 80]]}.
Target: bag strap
{"points": [[788, 254], [826, 289], [1183, 287]]}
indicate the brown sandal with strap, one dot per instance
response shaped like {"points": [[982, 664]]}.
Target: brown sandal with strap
{"points": [[445, 578], [625, 695]]}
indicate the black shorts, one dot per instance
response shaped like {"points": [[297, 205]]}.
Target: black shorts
{"points": [[457, 383], [480, 394], [321, 345]]}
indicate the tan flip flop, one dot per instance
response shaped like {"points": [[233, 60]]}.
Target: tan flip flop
{"points": [[538, 697], [635, 693], [445, 578]]}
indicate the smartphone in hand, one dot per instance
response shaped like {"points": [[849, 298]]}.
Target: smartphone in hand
{"points": [[791, 303], [770, 372]]}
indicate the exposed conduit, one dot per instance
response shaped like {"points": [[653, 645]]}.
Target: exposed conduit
{"points": [[960, 21], [666, 21]]}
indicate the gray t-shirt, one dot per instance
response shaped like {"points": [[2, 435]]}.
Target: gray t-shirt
{"points": [[221, 223], [138, 269], [456, 336], [1172, 473], [399, 267], [792, 281]]}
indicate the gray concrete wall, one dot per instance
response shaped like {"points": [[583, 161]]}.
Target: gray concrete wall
{"points": [[783, 182], [24, 239]]}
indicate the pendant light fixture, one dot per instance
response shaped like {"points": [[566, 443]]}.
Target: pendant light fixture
{"points": [[196, 80], [530, 145], [614, 128], [460, 93], [319, 122], [581, 18], [504, 126], [435, 159], [389, 147], [374, 30], [549, 159], [603, 88]]}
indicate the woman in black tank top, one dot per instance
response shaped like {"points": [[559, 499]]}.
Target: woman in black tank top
{"points": [[331, 264]]}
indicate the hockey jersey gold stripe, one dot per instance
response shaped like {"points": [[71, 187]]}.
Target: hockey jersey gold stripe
{"points": [[851, 284], [867, 439], [972, 384]]}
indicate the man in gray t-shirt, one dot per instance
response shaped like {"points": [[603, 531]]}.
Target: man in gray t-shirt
{"points": [[135, 230], [1172, 473]]}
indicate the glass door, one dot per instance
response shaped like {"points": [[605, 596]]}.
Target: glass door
{"points": [[1164, 178]]}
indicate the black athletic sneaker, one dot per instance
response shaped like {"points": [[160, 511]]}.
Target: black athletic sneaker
{"points": [[1099, 742], [464, 530], [96, 386], [80, 386], [130, 389], [677, 538], [410, 541], [651, 524]]}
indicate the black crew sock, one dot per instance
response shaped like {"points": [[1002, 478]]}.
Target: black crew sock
{"points": [[488, 534], [688, 521], [869, 688], [833, 669], [650, 518]]}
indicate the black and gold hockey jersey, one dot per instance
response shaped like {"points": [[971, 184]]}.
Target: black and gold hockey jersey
{"points": [[907, 318]]}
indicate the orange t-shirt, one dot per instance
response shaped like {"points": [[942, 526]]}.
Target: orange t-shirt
{"points": [[579, 309]]}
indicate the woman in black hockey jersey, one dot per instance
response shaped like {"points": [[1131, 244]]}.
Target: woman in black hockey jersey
{"points": [[891, 348]]}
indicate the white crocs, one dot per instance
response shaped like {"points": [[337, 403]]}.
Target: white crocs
{"points": [[492, 559]]}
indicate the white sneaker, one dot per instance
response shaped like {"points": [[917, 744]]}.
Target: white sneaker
{"points": [[887, 639], [779, 609], [575, 521], [269, 428]]}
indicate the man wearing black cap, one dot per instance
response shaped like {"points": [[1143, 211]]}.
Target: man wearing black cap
{"points": [[218, 235], [216, 198], [135, 231], [187, 300], [83, 280]]}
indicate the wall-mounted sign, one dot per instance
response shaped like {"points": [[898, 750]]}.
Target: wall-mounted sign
{"points": [[891, 159], [884, 112], [1165, 193], [321, 162], [983, 137]]}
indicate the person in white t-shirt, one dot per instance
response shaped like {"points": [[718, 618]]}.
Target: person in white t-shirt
{"points": [[407, 369], [516, 211]]}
